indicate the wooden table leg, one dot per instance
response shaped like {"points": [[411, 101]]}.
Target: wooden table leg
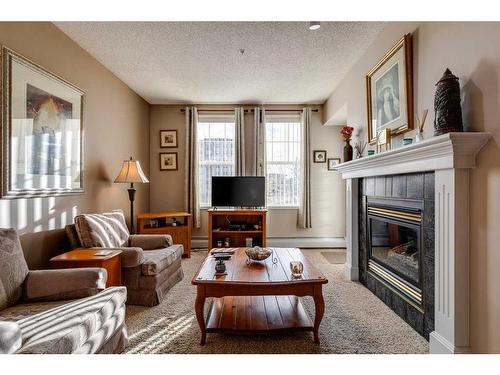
{"points": [[199, 309], [319, 304]]}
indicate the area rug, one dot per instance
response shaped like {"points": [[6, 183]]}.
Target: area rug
{"points": [[334, 256], [355, 321]]}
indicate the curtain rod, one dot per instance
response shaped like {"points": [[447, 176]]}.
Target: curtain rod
{"points": [[248, 110]]}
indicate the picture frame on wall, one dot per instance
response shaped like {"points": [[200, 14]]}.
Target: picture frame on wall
{"points": [[42, 130], [168, 161], [168, 138], [319, 156], [389, 91], [332, 162]]}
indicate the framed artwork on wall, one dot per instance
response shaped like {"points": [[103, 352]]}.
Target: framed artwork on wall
{"points": [[332, 162], [168, 138], [168, 161], [389, 91], [319, 156], [42, 131]]}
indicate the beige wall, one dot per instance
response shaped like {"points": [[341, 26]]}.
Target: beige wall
{"points": [[116, 126], [167, 188], [472, 52]]}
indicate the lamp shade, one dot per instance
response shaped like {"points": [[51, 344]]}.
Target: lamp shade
{"points": [[131, 172]]}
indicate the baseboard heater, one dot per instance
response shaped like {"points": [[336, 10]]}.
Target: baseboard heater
{"points": [[306, 242]]}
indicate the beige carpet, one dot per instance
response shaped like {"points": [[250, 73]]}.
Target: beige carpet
{"points": [[355, 321]]}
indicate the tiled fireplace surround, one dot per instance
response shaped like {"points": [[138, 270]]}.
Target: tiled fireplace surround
{"points": [[449, 156], [402, 191]]}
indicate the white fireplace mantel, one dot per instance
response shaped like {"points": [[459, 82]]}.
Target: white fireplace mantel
{"points": [[450, 156], [447, 151]]}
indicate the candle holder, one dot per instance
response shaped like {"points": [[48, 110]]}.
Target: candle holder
{"points": [[220, 267], [297, 268]]}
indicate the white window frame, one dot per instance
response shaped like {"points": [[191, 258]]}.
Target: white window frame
{"points": [[280, 118], [214, 118]]}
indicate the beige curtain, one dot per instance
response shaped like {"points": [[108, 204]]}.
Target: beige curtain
{"points": [[304, 214], [239, 150], [191, 203], [259, 162]]}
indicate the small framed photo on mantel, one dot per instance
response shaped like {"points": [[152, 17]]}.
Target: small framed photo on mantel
{"points": [[168, 138], [168, 161]]}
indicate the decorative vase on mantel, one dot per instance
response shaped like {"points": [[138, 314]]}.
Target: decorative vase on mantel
{"points": [[347, 151], [346, 133]]}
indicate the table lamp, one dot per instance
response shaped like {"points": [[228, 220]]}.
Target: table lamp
{"points": [[131, 172]]}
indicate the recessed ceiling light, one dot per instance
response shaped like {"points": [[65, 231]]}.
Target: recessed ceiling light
{"points": [[314, 25]]}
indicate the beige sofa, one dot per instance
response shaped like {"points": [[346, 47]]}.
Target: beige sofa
{"points": [[57, 311], [151, 264]]}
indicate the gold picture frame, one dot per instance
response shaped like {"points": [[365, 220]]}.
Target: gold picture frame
{"points": [[389, 91]]}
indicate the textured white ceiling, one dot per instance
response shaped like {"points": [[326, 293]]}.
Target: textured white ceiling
{"points": [[200, 62]]}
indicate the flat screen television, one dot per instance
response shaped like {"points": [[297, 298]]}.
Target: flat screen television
{"points": [[238, 191]]}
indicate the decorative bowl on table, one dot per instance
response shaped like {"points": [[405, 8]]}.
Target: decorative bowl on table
{"points": [[258, 253]]}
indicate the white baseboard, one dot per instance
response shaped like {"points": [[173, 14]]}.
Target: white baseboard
{"points": [[351, 273], [439, 345], [306, 242], [199, 243]]}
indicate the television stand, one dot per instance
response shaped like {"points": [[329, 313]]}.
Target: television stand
{"points": [[251, 223]]}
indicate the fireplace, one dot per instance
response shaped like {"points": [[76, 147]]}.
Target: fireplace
{"points": [[396, 244], [394, 247], [435, 171]]}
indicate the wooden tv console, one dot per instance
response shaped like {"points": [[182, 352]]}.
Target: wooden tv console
{"points": [[219, 221], [181, 233]]}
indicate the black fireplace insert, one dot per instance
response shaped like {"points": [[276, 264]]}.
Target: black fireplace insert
{"points": [[394, 248]]}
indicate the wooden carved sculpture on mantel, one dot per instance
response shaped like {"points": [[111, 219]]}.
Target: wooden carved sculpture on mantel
{"points": [[447, 105]]}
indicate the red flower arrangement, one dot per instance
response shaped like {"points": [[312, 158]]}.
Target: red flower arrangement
{"points": [[346, 132]]}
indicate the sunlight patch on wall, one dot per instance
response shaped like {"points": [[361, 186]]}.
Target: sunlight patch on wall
{"points": [[22, 217]]}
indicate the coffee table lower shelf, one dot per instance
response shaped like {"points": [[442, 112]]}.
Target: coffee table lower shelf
{"points": [[257, 314]]}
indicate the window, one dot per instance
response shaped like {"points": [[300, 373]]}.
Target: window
{"points": [[216, 138], [283, 154]]}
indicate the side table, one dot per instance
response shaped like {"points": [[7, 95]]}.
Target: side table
{"points": [[81, 258]]}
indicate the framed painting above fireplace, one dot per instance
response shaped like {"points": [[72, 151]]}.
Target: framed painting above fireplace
{"points": [[42, 137], [389, 91]]}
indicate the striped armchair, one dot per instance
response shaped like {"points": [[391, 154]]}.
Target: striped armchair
{"points": [[151, 264], [57, 311]]}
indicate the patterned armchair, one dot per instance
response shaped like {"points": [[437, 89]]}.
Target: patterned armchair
{"points": [[57, 311], [151, 264]]}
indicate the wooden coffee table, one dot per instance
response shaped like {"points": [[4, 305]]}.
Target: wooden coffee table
{"points": [[260, 297]]}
